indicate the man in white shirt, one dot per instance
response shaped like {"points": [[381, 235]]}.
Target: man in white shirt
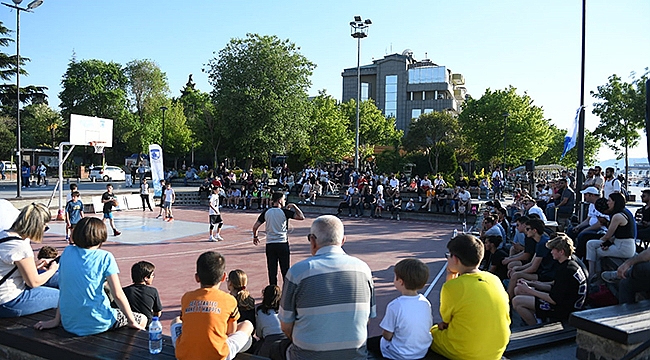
{"points": [[497, 172], [612, 184], [590, 227], [394, 183], [530, 207]]}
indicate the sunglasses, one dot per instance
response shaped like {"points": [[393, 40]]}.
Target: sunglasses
{"points": [[528, 229]]}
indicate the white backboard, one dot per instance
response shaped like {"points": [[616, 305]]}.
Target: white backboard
{"points": [[86, 129]]}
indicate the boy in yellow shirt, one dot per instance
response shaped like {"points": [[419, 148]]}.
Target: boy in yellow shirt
{"points": [[473, 305]]}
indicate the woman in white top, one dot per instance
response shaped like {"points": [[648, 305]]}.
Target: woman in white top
{"points": [[21, 292]]}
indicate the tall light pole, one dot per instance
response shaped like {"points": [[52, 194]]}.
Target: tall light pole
{"points": [[505, 126], [163, 108], [32, 5], [359, 30]]}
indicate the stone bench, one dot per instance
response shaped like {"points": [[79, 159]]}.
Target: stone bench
{"points": [[19, 340], [612, 332]]}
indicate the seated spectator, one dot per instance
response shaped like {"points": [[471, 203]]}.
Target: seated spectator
{"points": [[381, 205], [492, 228], [530, 207], [439, 181], [642, 217], [484, 187], [474, 186], [462, 182], [407, 323], [441, 199], [565, 204], [316, 191], [523, 247], [619, 241], [633, 276], [268, 329], [542, 267], [305, 192], [467, 330], [496, 257], [536, 301], [464, 201], [236, 197], [395, 205], [237, 281], [410, 205], [425, 185], [590, 228], [430, 200]]}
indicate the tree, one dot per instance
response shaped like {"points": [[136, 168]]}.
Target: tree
{"points": [[97, 88], [621, 108], [7, 136], [375, 129], [556, 147], [431, 133], [178, 136], [41, 126], [260, 92], [483, 124], [145, 82], [328, 136]]}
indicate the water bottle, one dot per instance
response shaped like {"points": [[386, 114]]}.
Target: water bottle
{"points": [[155, 336], [455, 233], [464, 227]]}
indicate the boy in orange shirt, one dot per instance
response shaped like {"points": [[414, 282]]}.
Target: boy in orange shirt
{"points": [[209, 328]]}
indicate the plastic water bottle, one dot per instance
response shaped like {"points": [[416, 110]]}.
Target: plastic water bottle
{"points": [[464, 227], [455, 233], [155, 336]]}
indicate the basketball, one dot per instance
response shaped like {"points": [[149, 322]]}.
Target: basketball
{"points": [[115, 203]]}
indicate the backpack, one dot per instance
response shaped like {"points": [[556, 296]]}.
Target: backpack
{"points": [[9, 238]]}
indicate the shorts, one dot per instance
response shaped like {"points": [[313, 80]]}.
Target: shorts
{"points": [[108, 215], [237, 341], [122, 320], [215, 219], [168, 205], [545, 310]]}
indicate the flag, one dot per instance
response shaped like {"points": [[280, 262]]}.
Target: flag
{"points": [[571, 134], [157, 170]]}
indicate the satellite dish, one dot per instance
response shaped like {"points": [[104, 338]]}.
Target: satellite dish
{"points": [[407, 52]]}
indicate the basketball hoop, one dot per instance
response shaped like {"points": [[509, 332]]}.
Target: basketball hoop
{"points": [[99, 146]]}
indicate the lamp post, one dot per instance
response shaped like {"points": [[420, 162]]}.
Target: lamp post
{"points": [[32, 5], [163, 108], [505, 126], [359, 30]]}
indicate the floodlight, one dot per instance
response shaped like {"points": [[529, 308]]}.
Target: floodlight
{"points": [[34, 4]]}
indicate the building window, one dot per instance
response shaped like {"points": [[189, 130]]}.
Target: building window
{"points": [[427, 75], [365, 91], [426, 111], [390, 109], [415, 113]]}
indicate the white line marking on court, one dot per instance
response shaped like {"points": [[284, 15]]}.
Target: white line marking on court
{"points": [[435, 281]]}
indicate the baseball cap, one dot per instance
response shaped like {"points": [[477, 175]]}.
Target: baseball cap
{"points": [[590, 190]]}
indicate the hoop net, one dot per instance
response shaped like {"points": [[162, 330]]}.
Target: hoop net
{"points": [[99, 146]]}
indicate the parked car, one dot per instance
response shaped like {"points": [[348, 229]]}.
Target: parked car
{"points": [[107, 173], [9, 166]]}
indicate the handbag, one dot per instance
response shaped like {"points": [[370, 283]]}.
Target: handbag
{"points": [[12, 271]]}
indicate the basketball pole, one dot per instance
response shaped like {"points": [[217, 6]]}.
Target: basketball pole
{"points": [[62, 159]]}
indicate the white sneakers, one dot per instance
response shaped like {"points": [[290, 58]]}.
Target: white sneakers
{"points": [[215, 238]]}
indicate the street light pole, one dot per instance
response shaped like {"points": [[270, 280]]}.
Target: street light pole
{"points": [[505, 126], [359, 30], [163, 108], [32, 5]]}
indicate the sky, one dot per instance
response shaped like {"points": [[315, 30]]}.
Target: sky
{"points": [[534, 46]]}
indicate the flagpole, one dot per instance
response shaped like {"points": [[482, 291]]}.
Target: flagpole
{"points": [[581, 121]]}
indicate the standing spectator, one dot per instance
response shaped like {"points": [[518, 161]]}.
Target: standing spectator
{"points": [[317, 294], [141, 172], [277, 241], [74, 212], [41, 173], [473, 306], [485, 187], [25, 173], [170, 198], [2, 169], [599, 180], [144, 195], [612, 184]]}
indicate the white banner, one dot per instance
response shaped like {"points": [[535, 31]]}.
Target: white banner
{"points": [[157, 168]]}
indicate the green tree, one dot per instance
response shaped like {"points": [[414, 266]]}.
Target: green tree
{"points": [[621, 108], [41, 126], [328, 136], [178, 136], [98, 88], [145, 82], [7, 136], [431, 133], [556, 147], [260, 92], [482, 122], [374, 128]]}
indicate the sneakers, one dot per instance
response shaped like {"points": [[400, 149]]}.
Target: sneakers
{"points": [[610, 276], [158, 217], [218, 238], [212, 239], [117, 233], [397, 217]]}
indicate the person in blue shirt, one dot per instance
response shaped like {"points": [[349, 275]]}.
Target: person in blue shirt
{"points": [[74, 211]]}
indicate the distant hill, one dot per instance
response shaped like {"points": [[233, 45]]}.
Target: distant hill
{"points": [[621, 163]]}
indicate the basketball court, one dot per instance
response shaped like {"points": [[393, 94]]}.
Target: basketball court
{"points": [[174, 247]]}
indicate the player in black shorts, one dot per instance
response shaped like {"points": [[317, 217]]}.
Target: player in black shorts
{"points": [[215, 215]]}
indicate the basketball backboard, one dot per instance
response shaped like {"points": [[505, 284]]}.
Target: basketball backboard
{"points": [[87, 129]]}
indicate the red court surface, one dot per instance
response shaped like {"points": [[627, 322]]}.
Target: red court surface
{"points": [[379, 242]]}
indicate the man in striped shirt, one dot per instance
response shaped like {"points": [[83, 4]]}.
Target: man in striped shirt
{"points": [[327, 299]]}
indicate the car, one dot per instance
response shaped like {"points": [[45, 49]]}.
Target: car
{"points": [[107, 173], [9, 166]]}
